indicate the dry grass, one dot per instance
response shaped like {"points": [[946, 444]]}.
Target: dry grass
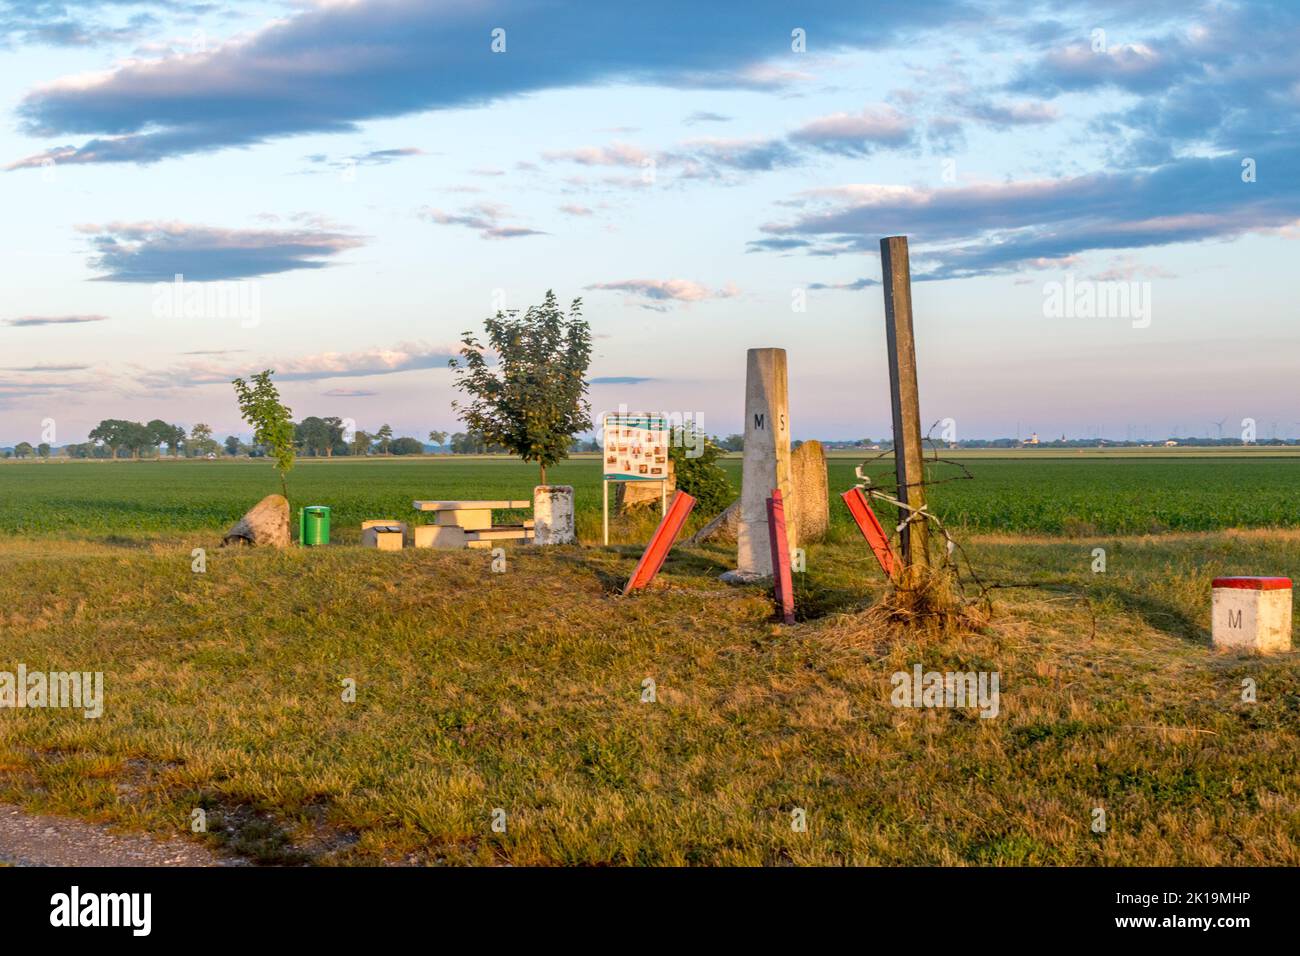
{"points": [[522, 691]]}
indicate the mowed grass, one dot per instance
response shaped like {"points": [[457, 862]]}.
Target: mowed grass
{"points": [[522, 691], [1124, 494]]}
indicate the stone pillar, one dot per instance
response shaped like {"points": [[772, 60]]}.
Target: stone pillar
{"points": [[553, 515], [1251, 614], [766, 465], [809, 508]]}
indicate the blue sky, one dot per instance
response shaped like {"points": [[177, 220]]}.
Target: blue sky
{"points": [[374, 179]]}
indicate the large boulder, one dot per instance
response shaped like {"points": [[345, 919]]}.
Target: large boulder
{"points": [[267, 523], [722, 529], [809, 499], [632, 495]]}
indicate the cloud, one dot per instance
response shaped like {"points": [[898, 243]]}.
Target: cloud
{"points": [[665, 290], [857, 285], [406, 357], [621, 380], [348, 393], [31, 321], [483, 217], [327, 68], [857, 134], [1008, 114], [158, 251], [615, 154], [47, 368], [574, 209], [999, 227], [703, 116]]}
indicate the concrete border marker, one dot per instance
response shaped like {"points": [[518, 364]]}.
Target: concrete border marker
{"points": [[782, 586], [652, 559], [1251, 614], [871, 529]]}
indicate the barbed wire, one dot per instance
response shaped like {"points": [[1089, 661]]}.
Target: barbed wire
{"points": [[954, 553]]}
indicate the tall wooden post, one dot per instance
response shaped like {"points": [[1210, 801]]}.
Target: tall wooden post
{"points": [[909, 462]]}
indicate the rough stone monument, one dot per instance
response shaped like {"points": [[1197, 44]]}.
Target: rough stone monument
{"points": [[266, 523], [766, 465], [632, 495], [809, 506]]}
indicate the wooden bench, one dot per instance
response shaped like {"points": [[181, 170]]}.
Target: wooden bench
{"points": [[468, 524]]}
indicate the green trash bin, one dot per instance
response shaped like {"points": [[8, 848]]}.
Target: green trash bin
{"points": [[314, 526]]}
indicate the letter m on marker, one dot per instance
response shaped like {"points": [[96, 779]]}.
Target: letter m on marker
{"points": [[758, 420], [1234, 618]]}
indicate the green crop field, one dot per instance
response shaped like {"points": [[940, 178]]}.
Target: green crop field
{"points": [[1123, 494]]}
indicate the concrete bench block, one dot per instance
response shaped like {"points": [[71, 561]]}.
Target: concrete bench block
{"points": [[1252, 614], [439, 536]]}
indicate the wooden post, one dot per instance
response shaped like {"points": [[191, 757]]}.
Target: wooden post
{"points": [[909, 463]]}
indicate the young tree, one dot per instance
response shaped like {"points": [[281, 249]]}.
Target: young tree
{"points": [[438, 438], [260, 406], [385, 438], [535, 401]]}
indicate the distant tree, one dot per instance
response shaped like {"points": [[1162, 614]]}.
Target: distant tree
{"points": [[233, 445], [732, 443], [361, 442], [534, 402], [385, 438], [201, 442], [161, 433], [24, 450], [319, 436], [272, 421], [406, 446], [438, 438], [43, 449]]}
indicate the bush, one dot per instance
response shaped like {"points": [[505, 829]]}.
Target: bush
{"points": [[700, 477]]}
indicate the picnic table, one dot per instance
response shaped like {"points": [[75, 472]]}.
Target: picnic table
{"points": [[468, 524]]}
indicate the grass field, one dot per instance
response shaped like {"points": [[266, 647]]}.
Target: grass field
{"points": [[523, 690]]}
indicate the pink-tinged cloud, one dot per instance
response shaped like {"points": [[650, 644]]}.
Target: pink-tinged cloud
{"points": [[856, 134], [484, 218], [664, 290], [34, 321]]}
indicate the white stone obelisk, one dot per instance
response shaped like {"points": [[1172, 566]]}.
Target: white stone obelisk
{"points": [[767, 462]]}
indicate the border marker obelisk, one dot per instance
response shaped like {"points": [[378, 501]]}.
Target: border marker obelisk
{"points": [[766, 465]]}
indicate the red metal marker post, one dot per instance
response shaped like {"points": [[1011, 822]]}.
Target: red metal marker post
{"points": [[870, 527], [776, 531], [662, 542]]}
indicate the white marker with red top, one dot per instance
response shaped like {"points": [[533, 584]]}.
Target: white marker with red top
{"points": [[1252, 614]]}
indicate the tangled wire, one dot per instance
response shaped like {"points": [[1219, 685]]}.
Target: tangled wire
{"points": [[942, 595]]}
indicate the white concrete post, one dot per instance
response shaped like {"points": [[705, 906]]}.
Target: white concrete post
{"points": [[767, 462], [553, 515], [1251, 614]]}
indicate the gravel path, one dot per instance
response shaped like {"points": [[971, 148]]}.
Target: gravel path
{"points": [[28, 839]]}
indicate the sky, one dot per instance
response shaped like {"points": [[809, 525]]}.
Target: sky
{"points": [[1102, 201]]}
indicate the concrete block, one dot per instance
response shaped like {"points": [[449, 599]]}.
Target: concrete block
{"points": [[553, 515], [440, 536], [1252, 614], [469, 518]]}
